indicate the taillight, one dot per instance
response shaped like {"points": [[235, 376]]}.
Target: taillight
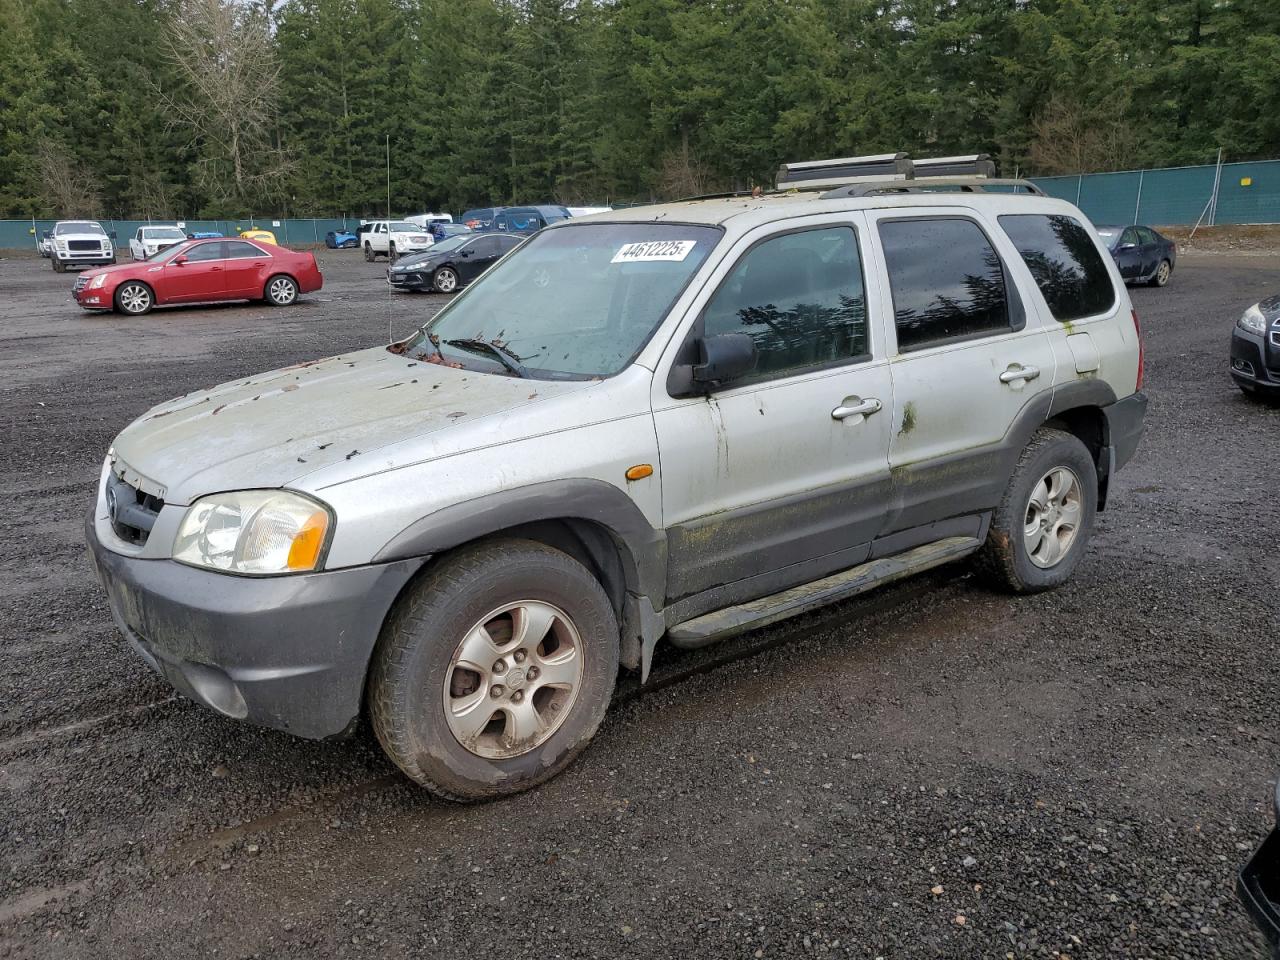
{"points": [[1137, 328]]}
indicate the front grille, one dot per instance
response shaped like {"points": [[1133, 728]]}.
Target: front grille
{"points": [[85, 246], [133, 512]]}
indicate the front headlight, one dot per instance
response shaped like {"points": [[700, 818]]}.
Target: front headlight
{"points": [[253, 531], [1253, 321], [97, 281]]}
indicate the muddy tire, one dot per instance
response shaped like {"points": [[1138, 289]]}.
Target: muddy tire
{"points": [[369, 255], [1162, 274], [58, 266], [1042, 526], [494, 670]]}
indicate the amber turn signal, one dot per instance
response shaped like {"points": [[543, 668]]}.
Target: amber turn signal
{"points": [[639, 471]]}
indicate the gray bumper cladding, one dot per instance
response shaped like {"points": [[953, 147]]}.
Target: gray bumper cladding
{"points": [[285, 652]]}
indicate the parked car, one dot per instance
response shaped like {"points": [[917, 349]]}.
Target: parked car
{"points": [[528, 220], [341, 239], [80, 243], [257, 233], [481, 218], [204, 235], [587, 211], [1141, 254], [680, 423], [451, 264], [44, 243], [391, 238], [443, 231], [201, 271], [1255, 350], [147, 241], [1258, 884]]}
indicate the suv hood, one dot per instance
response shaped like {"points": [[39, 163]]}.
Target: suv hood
{"points": [[274, 428]]}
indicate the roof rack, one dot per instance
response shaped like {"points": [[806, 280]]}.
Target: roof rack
{"points": [[972, 165], [934, 185], [809, 174]]}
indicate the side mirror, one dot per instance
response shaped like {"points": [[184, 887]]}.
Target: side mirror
{"points": [[179, 261], [723, 358], [1127, 246]]}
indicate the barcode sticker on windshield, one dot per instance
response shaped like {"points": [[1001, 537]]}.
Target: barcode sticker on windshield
{"points": [[654, 250]]}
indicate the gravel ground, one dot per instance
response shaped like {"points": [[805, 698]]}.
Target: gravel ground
{"points": [[935, 771]]}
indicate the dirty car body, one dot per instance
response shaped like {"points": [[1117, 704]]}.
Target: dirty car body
{"points": [[723, 411]]}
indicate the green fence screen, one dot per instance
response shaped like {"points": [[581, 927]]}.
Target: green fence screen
{"points": [[16, 234]]}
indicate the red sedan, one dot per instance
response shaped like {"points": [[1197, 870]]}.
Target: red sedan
{"points": [[200, 271]]}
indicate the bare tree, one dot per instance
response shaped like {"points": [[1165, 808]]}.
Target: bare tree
{"points": [[223, 53], [65, 186], [1070, 139]]}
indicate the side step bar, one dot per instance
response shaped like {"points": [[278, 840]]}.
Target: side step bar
{"points": [[725, 623]]}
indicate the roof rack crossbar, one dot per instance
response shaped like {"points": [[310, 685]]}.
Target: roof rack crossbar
{"points": [[975, 184]]}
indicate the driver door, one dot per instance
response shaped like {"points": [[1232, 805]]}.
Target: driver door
{"points": [[198, 273], [477, 257], [1129, 254]]}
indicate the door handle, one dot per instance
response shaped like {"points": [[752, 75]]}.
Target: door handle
{"points": [[1017, 371], [856, 406]]}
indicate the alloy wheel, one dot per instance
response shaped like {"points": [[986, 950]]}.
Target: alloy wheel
{"points": [[513, 679], [282, 291], [134, 298], [1053, 517]]}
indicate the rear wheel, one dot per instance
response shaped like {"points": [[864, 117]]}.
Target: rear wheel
{"points": [[281, 291], [391, 253], [368, 252], [445, 280], [1162, 274], [495, 670], [134, 298], [1042, 525]]}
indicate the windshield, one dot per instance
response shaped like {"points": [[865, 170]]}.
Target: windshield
{"points": [[163, 233], [577, 302], [78, 226], [405, 227]]}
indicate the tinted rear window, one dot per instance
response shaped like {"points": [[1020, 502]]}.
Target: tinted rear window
{"points": [[1065, 263], [947, 281]]}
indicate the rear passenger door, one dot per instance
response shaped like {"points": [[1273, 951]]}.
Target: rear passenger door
{"points": [[970, 359], [779, 477], [246, 269]]}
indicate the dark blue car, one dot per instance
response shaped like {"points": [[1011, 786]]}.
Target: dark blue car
{"points": [[528, 220], [1142, 255]]}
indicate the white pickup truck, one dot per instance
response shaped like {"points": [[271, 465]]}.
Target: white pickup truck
{"points": [[390, 238], [80, 243]]}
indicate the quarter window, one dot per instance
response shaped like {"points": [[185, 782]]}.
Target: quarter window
{"points": [[800, 297], [947, 281], [1064, 261]]}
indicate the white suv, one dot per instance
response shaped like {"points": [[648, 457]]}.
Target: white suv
{"points": [[671, 423], [391, 238]]}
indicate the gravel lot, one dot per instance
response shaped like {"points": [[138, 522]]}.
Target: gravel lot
{"points": [[937, 771]]}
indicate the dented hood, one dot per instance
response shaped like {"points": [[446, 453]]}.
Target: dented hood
{"points": [[273, 428]]}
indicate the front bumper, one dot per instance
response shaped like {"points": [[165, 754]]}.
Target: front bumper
{"points": [[1253, 362], [285, 652], [1258, 886], [83, 257], [416, 280]]}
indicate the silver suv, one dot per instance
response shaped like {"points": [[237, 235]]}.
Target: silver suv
{"points": [[672, 423]]}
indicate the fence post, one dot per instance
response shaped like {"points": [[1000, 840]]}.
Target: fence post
{"points": [[315, 231], [1137, 207], [1079, 185], [1217, 182]]}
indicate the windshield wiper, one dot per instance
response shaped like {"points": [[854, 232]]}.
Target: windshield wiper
{"points": [[504, 356]]}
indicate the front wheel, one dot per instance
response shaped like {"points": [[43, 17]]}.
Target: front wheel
{"points": [[281, 291], [1042, 525], [134, 298], [368, 253], [445, 280], [59, 266], [1162, 274], [495, 670]]}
